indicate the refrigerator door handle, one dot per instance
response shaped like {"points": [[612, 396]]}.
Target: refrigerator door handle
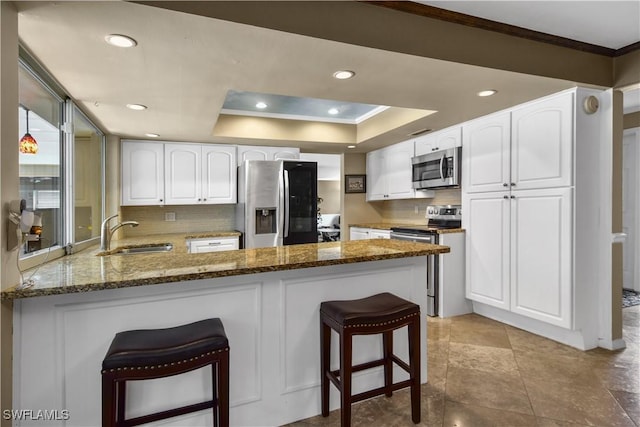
{"points": [[279, 239], [286, 203]]}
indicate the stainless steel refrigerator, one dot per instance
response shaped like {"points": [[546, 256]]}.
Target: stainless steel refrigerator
{"points": [[277, 202]]}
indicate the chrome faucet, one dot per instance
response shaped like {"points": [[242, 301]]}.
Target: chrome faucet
{"points": [[106, 232]]}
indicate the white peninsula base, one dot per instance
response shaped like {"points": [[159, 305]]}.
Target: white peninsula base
{"points": [[271, 320]]}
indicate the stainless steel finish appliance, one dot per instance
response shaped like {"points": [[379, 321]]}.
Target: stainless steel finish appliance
{"points": [[438, 217], [277, 202], [437, 169]]}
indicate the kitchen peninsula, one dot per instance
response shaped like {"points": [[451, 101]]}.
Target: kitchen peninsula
{"points": [[267, 298]]}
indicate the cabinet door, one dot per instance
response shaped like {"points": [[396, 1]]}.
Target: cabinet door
{"points": [[182, 166], [199, 246], [142, 173], [486, 154], [376, 181], [541, 144], [219, 174], [246, 152], [541, 255], [397, 170], [379, 234], [285, 153], [486, 220], [441, 140], [358, 233]]}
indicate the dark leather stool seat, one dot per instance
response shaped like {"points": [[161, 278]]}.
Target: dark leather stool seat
{"points": [[378, 314], [157, 353]]}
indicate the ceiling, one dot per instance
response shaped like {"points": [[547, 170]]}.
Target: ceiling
{"points": [[184, 65]]}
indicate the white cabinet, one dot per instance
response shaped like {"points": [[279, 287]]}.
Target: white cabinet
{"points": [[142, 173], [530, 146], [389, 172], [518, 201], [486, 154], [217, 244], [441, 140], [360, 233], [487, 223], [519, 252], [219, 174], [199, 174], [379, 234], [249, 152], [156, 173], [357, 233], [541, 143], [182, 166]]}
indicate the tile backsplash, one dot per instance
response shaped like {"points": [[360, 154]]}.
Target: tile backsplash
{"points": [[189, 219], [405, 210]]}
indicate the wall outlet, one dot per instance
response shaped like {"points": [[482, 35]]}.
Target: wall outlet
{"points": [[169, 216], [415, 209]]}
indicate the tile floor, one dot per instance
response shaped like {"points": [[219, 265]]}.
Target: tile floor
{"points": [[485, 373]]}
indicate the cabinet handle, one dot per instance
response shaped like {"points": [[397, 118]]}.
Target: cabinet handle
{"points": [[215, 243], [505, 197], [161, 200], [199, 200], [504, 184], [513, 184], [513, 197]]}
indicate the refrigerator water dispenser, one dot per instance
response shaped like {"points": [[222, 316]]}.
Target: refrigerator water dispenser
{"points": [[266, 221]]}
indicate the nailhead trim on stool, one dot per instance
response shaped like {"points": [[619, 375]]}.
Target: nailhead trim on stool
{"points": [[378, 314], [157, 353]]}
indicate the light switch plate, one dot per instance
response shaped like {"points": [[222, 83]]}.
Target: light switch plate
{"points": [[169, 216]]}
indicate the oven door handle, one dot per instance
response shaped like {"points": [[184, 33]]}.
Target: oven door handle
{"points": [[442, 161]]}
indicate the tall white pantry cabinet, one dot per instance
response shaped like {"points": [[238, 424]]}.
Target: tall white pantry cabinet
{"points": [[521, 191]]}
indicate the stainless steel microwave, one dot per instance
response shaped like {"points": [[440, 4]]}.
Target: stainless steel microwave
{"points": [[437, 169]]}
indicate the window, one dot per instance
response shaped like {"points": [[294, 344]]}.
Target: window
{"points": [[88, 144], [41, 176], [63, 181]]}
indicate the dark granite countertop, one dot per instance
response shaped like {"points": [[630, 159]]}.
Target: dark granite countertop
{"points": [[87, 271]]}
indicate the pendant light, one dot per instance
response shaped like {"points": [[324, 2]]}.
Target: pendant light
{"points": [[28, 144]]}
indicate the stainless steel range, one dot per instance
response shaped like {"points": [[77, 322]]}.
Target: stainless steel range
{"points": [[438, 217]]}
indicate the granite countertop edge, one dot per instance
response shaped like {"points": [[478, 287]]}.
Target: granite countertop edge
{"points": [[208, 266]]}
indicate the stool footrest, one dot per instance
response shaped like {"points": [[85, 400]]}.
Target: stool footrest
{"points": [[378, 391], [166, 414]]}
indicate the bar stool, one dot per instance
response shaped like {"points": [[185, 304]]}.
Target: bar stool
{"points": [[378, 314], [157, 353]]}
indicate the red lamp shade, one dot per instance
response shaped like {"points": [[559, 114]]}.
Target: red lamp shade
{"points": [[28, 145]]}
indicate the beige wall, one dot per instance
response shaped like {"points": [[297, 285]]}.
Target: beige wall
{"points": [[9, 186], [330, 192], [189, 219], [631, 120], [355, 208], [404, 211]]}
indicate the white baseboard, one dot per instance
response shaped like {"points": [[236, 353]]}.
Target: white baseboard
{"points": [[616, 344]]}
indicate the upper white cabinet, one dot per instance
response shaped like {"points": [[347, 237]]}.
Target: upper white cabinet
{"points": [[486, 154], [156, 173], [142, 173], [199, 174], [528, 147], [219, 174], [248, 152], [389, 172], [441, 140]]}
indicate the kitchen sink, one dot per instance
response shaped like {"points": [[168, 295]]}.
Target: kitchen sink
{"points": [[144, 249]]}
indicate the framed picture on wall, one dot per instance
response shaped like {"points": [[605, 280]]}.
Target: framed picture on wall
{"points": [[355, 183]]}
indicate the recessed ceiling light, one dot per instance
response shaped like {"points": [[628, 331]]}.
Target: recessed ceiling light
{"points": [[343, 74], [152, 135], [333, 111], [487, 92], [120, 41], [137, 107], [351, 146], [261, 105]]}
